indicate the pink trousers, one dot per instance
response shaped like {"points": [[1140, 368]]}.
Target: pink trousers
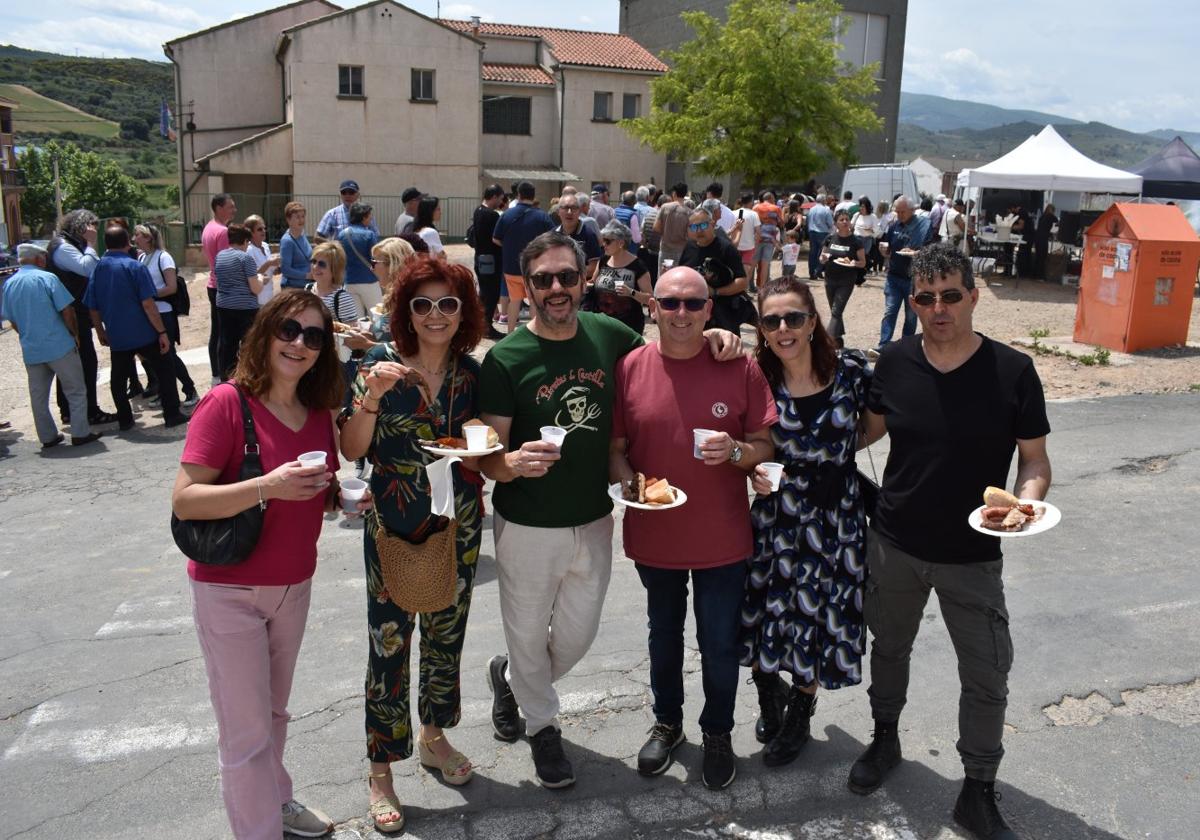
{"points": [[251, 636]]}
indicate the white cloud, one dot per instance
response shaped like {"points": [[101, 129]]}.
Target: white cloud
{"points": [[143, 10], [96, 36], [464, 11]]}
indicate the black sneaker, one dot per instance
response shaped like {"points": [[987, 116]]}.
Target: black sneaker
{"points": [[881, 756], [655, 755], [506, 718], [976, 811], [99, 418], [86, 439], [720, 764], [177, 420], [50, 444], [549, 761]]}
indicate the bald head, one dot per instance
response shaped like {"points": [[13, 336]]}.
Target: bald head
{"points": [[681, 282]]}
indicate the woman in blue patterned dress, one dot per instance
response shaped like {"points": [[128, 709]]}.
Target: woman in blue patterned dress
{"points": [[436, 320], [802, 613]]}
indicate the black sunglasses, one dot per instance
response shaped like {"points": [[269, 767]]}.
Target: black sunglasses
{"points": [[946, 296], [318, 263], [448, 305], [545, 279], [794, 319], [314, 337], [670, 304]]}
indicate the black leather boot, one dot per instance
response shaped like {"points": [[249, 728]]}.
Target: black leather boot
{"points": [[772, 703], [976, 811], [881, 756], [794, 733]]}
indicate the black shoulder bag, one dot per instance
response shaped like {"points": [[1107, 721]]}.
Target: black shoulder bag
{"points": [[225, 542]]}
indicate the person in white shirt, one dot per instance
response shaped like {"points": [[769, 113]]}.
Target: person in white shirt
{"points": [[791, 252], [744, 233], [166, 278], [726, 218], [260, 249], [866, 227], [847, 203], [429, 212]]}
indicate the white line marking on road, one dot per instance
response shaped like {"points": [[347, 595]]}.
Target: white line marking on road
{"points": [[156, 614], [160, 625], [5, 573], [1157, 608]]}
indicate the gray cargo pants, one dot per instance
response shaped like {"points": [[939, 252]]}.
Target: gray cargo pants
{"points": [[971, 596]]}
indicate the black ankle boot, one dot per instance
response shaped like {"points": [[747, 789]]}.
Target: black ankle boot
{"points": [[794, 733], [772, 703], [881, 756], [976, 811]]}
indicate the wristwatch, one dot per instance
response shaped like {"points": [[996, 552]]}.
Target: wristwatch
{"points": [[736, 453]]}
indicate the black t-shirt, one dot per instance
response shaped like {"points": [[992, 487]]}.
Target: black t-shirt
{"points": [[952, 435], [721, 264], [602, 297], [842, 247], [484, 221]]}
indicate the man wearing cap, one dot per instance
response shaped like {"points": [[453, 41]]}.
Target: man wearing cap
{"points": [[600, 211], [936, 214], [336, 218], [42, 312], [404, 222]]}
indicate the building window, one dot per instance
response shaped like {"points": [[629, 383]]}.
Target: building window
{"points": [[350, 80], [602, 106], [864, 41], [631, 106], [627, 186], [422, 86], [506, 114]]}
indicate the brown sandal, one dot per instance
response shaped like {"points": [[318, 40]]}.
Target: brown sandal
{"points": [[456, 769], [381, 808]]}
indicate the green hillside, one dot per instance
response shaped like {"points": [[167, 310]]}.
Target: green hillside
{"points": [[937, 113], [36, 114]]}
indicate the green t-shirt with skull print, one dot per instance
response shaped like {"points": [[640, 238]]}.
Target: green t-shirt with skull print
{"points": [[539, 383]]}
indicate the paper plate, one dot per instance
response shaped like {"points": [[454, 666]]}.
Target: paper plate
{"points": [[1049, 519], [614, 493], [443, 452]]}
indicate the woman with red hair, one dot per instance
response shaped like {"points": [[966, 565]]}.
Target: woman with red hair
{"points": [[436, 321]]}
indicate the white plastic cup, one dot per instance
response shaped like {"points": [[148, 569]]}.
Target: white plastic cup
{"points": [[554, 434], [313, 459], [699, 436], [364, 325], [353, 489], [774, 474], [477, 437], [668, 265]]}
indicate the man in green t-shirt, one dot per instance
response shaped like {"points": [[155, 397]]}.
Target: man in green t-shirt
{"points": [[552, 514]]}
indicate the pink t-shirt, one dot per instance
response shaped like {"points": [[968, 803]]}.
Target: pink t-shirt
{"points": [[287, 548], [213, 240], [658, 402]]}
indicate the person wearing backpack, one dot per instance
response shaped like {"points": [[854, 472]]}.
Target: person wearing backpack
{"points": [[357, 240], [166, 287], [487, 255]]}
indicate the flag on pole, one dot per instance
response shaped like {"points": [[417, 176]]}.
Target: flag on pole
{"points": [[164, 122]]}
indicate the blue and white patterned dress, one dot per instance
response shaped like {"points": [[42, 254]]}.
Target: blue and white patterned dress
{"points": [[802, 612]]}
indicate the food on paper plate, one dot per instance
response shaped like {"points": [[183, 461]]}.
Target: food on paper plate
{"points": [[493, 439], [647, 491], [907, 252], [1002, 511], [344, 329], [844, 261]]}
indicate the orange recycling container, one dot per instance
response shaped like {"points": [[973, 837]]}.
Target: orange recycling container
{"points": [[1139, 270]]}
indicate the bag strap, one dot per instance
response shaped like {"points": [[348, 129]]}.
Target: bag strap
{"points": [[361, 258], [247, 424]]}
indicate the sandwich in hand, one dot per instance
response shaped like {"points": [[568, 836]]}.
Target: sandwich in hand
{"points": [[647, 491], [1002, 511]]}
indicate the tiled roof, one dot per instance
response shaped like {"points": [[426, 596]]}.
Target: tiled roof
{"points": [[573, 46], [520, 74]]}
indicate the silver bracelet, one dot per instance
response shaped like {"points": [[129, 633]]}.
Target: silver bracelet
{"points": [[262, 503]]}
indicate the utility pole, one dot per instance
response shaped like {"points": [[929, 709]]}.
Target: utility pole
{"points": [[57, 193]]}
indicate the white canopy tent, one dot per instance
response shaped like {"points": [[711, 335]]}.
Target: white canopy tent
{"points": [[1047, 162]]}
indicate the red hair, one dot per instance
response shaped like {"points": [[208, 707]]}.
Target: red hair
{"points": [[420, 270]]}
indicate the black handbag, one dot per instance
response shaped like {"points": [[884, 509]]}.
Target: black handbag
{"points": [[228, 541]]}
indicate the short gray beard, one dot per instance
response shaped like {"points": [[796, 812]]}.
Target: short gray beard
{"points": [[549, 320]]}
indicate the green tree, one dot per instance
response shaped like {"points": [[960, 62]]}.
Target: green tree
{"points": [[764, 94], [86, 180]]}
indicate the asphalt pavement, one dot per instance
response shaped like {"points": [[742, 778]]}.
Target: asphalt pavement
{"points": [[106, 729]]}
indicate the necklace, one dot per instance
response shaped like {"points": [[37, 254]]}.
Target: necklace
{"points": [[424, 369]]}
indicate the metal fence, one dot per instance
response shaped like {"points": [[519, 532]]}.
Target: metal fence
{"points": [[456, 212]]}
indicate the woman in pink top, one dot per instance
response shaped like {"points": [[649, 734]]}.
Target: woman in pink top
{"points": [[250, 616]]}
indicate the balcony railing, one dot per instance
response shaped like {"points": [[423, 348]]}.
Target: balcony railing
{"points": [[12, 177]]}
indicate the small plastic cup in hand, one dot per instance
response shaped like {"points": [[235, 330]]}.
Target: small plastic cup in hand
{"points": [[699, 436], [364, 324], [774, 474], [477, 437], [353, 489], [313, 459], [554, 434]]}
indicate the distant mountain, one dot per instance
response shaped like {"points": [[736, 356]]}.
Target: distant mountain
{"points": [[937, 113], [1192, 138]]}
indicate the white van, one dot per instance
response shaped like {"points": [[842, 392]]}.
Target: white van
{"points": [[879, 182]]}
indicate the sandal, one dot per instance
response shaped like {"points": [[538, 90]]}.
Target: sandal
{"points": [[456, 769], [381, 808]]}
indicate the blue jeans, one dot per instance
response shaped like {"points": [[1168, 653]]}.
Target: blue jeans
{"points": [[816, 240], [895, 294], [717, 605]]}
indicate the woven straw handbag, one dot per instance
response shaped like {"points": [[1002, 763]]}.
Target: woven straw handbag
{"points": [[420, 577]]}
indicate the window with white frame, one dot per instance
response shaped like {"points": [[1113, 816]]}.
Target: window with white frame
{"points": [[350, 80], [602, 106], [422, 85], [631, 106]]}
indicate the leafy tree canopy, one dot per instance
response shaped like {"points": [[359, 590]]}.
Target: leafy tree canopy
{"points": [[764, 94], [86, 180]]}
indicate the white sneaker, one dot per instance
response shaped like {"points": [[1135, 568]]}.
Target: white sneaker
{"points": [[305, 822]]}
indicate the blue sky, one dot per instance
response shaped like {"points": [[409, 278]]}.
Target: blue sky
{"points": [[1101, 60]]}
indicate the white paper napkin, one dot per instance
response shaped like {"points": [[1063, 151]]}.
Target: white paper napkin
{"points": [[441, 486]]}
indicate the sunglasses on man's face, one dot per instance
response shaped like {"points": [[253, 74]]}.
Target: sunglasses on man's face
{"points": [[569, 208], [289, 330], [448, 305], [946, 296], [321, 264], [696, 227], [794, 319], [545, 279], [670, 304]]}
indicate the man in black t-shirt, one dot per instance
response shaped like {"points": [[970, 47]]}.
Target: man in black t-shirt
{"points": [[487, 255], [955, 405], [719, 262]]}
